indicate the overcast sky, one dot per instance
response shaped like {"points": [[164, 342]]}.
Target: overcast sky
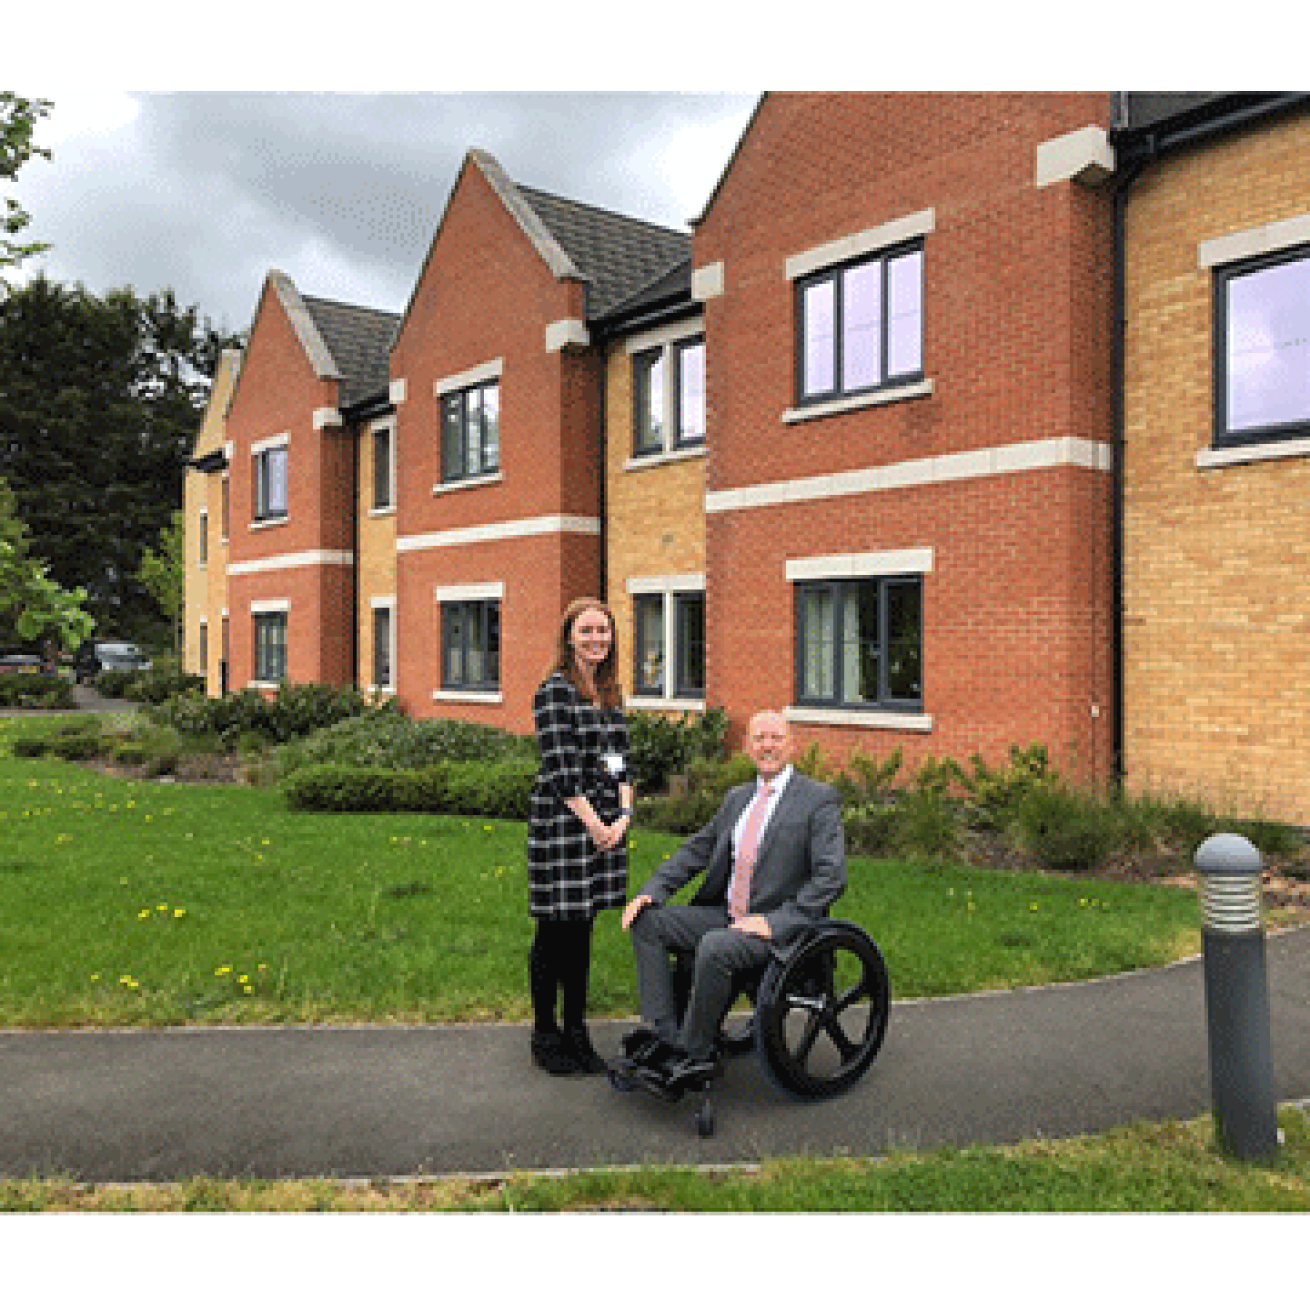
{"points": [[204, 192]]}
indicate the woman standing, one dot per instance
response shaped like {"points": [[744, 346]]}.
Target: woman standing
{"points": [[577, 826]]}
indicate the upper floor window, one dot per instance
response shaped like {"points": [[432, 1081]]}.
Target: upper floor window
{"points": [[383, 458], [202, 539], [270, 483], [859, 326], [470, 432], [1262, 348], [668, 385]]}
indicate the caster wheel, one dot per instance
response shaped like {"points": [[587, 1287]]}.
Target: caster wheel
{"points": [[620, 1082], [705, 1120]]}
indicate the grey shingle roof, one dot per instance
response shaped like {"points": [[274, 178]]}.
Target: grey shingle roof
{"points": [[359, 341], [618, 255]]}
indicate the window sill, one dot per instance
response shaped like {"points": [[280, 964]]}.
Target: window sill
{"points": [[467, 484], [844, 405], [468, 697], [1258, 452], [890, 720], [638, 701], [258, 525], [656, 458], [382, 512]]}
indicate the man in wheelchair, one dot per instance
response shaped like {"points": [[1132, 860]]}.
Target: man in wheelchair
{"points": [[774, 860]]}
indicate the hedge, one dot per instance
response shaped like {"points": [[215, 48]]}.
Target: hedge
{"points": [[496, 788]]}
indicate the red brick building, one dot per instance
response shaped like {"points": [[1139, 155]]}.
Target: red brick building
{"points": [[290, 564], [907, 307], [900, 312]]}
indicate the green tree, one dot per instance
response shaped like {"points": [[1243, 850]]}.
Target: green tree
{"points": [[18, 119], [100, 401], [33, 607], [163, 575]]}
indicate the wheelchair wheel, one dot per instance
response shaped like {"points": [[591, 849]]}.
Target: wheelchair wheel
{"points": [[821, 1015]]}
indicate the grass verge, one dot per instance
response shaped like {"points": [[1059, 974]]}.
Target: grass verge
{"points": [[1155, 1168], [144, 903]]}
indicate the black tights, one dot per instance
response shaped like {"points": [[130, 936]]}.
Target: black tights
{"points": [[558, 964]]}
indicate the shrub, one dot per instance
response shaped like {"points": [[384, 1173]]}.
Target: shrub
{"points": [[993, 793], [35, 691], [663, 745], [385, 738], [497, 788], [296, 710], [157, 685], [1065, 829]]}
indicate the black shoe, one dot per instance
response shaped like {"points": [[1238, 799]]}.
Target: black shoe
{"points": [[551, 1054], [577, 1044], [639, 1043]]}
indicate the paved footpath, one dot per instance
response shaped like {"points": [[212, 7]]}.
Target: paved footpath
{"points": [[389, 1101]]}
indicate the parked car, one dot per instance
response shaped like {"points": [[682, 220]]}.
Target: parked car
{"points": [[20, 662], [95, 657]]}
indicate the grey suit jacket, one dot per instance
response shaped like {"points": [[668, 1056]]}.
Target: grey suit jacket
{"points": [[800, 868]]}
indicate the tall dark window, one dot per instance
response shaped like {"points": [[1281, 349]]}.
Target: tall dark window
{"points": [[689, 392], [382, 646], [271, 483], [648, 645], [382, 451], [470, 432], [1262, 349], [860, 326], [689, 635], [859, 643], [271, 647], [470, 645], [648, 401]]}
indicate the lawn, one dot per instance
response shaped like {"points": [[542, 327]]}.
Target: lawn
{"points": [[137, 903], [1153, 1168]]}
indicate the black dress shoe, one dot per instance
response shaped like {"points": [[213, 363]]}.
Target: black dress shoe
{"points": [[550, 1053], [639, 1043], [577, 1043]]}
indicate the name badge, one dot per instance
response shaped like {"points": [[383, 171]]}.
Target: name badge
{"points": [[613, 761]]}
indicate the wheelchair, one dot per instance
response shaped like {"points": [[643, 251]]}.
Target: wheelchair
{"points": [[819, 1018]]}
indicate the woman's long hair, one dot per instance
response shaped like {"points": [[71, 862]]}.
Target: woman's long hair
{"points": [[608, 692]]}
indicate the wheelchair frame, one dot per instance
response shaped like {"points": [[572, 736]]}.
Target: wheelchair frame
{"points": [[820, 1018]]}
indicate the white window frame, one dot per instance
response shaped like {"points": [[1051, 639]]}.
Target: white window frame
{"points": [[668, 587], [668, 339]]}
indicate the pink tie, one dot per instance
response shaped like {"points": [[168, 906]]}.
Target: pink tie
{"points": [[739, 891]]}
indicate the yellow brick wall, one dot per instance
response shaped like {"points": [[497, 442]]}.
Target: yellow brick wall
{"points": [[377, 556], [655, 512], [206, 587], [1216, 561]]}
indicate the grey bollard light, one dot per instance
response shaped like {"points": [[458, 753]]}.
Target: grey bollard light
{"points": [[1237, 996]]}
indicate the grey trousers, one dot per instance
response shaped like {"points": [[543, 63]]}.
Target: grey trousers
{"points": [[721, 953]]}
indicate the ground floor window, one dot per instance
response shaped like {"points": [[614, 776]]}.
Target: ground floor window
{"points": [[470, 645], [859, 643], [271, 647], [382, 646], [669, 644]]}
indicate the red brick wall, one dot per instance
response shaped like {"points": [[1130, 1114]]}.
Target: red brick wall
{"points": [[486, 294], [278, 392], [1017, 296]]}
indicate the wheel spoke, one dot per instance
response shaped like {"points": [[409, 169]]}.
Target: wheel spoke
{"points": [[806, 1044]]}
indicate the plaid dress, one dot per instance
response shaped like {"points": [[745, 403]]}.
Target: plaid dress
{"points": [[568, 878]]}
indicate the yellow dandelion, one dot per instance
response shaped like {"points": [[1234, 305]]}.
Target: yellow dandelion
{"points": [[179, 914], [143, 914], [222, 969]]}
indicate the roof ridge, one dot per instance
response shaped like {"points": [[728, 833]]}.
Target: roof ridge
{"points": [[602, 209], [350, 304]]}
